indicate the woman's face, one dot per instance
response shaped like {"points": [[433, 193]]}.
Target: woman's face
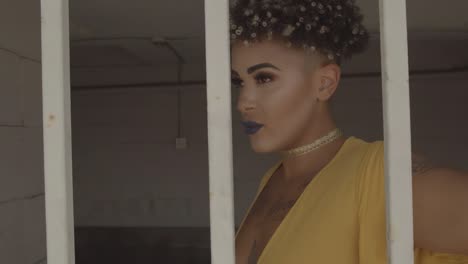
{"points": [[278, 89]]}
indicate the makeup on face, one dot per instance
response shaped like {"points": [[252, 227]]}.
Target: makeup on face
{"points": [[261, 78], [236, 81], [257, 67], [275, 94], [251, 127]]}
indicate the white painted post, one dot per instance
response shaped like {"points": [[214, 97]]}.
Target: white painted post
{"points": [[57, 132], [397, 132], [219, 131]]}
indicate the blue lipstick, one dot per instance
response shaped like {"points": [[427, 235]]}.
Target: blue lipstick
{"points": [[251, 127]]}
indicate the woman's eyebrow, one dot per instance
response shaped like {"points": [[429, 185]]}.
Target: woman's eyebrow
{"points": [[234, 73], [261, 65]]}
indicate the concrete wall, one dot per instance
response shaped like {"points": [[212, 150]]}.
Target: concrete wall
{"points": [[127, 169], [22, 220]]}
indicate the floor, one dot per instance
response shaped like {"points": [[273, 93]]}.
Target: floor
{"points": [[116, 245]]}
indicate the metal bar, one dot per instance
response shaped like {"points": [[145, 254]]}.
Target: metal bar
{"points": [[397, 132], [219, 132], [57, 132]]}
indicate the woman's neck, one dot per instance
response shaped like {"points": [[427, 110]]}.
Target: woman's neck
{"points": [[312, 162]]}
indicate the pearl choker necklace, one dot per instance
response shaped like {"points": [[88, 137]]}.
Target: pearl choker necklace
{"points": [[328, 138]]}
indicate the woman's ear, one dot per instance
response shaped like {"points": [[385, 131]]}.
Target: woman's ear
{"points": [[329, 79]]}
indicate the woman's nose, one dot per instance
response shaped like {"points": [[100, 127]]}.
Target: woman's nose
{"points": [[246, 101]]}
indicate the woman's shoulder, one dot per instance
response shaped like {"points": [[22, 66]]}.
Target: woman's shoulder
{"points": [[370, 154], [361, 152], [365, 143]]}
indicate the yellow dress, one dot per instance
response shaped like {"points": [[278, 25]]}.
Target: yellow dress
{"points": [[340, 216]]}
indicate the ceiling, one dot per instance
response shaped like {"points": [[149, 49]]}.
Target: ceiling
{"points": [[109, 33], [184, 18]]}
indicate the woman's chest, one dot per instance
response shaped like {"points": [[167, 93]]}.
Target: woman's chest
{"points": [[320, 229], [267, 214]]}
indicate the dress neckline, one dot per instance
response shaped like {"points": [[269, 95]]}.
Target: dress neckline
{"points": [[317, 177]]}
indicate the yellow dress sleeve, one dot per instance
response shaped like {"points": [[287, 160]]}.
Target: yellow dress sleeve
{"points": [[372, 216]]}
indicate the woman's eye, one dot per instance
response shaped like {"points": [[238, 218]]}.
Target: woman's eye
{"points": [[236, 83], [264, 78]]}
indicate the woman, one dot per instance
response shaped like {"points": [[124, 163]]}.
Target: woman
{"points": [[324, 201]]}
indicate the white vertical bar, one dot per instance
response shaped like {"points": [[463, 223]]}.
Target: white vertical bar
{"points": [[219, 131], [395, 78], [57, 132]]}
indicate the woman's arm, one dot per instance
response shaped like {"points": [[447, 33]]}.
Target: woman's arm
{"points": [[440, 200]]}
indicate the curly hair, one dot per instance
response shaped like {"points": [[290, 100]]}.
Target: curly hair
{"points": [[331, 27]]}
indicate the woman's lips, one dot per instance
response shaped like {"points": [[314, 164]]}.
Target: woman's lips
{"points": [[251, 127]]}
